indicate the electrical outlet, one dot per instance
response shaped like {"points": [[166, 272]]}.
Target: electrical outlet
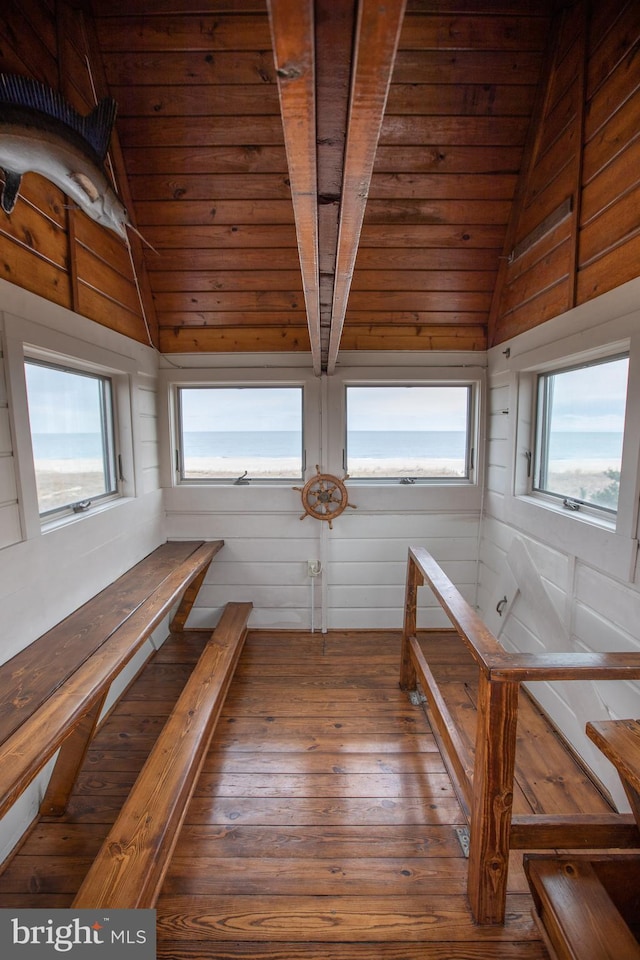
{"points": [[313, 568]]}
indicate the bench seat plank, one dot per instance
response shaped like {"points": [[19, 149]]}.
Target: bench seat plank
{"points": [[578, 917], [619, 740], [131, 865], [50, 721], [32, 675]]}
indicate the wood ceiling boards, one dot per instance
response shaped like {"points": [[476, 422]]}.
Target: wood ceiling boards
{"points": [[322, 175]]}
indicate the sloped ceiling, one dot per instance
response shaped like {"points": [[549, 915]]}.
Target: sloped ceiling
{"points": [[322, 175]]}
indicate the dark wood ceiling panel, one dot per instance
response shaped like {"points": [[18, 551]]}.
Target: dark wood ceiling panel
{"points": [[445, 175], [183, 30], [201, 130], [133, 69]]}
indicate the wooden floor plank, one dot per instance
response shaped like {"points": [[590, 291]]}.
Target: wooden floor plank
{"points": [[363, 919], [316, 877], [390, 744], [336, 764], [425, 786], [261, 729], [278, 950], [285, 811], [324, 840]]}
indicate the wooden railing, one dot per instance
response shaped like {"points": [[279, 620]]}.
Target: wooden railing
{"points": [[485, 779]]}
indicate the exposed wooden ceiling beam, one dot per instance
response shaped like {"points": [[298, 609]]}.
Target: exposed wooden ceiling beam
{"points": [[293, 38], [335, 26], [376, 41]]}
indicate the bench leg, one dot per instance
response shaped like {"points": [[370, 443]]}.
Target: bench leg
{"points": [[492, 799], [67, 767], [184, 609]]}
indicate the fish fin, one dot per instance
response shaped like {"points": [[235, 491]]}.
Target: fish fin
{"points": [[85, 183], [10, 190], [99, 124], [95, 128]]}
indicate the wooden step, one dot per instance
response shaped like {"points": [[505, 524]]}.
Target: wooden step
{"points": [[131, 864]]}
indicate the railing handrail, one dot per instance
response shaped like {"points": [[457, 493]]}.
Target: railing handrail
{"points": [[500, 664], [482, 644]]}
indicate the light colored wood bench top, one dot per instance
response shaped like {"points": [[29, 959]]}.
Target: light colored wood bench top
{"points": [[133, 859], [53, 690]]}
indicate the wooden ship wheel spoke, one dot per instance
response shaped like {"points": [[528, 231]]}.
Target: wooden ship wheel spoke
{"points": [[324, 497]]}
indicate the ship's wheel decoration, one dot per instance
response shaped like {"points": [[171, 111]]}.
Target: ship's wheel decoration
{"points": [[324, 497]]}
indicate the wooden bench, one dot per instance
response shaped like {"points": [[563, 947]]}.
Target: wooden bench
{"points": [[484, 777], [52, 692], [132, 862], [588, 906], [619, 740]]}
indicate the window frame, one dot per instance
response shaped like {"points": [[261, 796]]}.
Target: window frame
{"points": [[179, 434], [606, 542], [170, 379], [27, 339], [540, 439], [472, 444], [108, 419]]}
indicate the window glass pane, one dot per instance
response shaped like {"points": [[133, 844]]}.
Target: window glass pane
{"points": [[230, 431], [71, 434], [579, 437], [418, 432]]}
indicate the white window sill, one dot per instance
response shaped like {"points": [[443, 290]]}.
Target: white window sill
{"points": [[63, 520]]}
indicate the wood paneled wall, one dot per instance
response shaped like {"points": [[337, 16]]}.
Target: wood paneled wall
{"points": [[46, 245], [575, 230], [201, 129]]}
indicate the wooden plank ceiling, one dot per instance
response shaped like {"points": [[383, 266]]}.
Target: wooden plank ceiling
{"points": [[322, 174]]}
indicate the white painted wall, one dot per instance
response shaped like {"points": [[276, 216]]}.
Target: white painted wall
{"points": [[364, 555], [570, 584], [46, 573]]}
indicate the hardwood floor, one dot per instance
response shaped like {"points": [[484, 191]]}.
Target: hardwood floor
{"points": [[324, 822]]}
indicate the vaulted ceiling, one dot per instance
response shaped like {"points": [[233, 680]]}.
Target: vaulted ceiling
{"points": [[321, 174]]}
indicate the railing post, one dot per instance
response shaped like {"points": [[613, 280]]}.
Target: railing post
{"points": [[408, 678], [492, 799]]}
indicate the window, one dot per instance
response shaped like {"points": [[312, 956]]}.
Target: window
{"points": [[72, 436], [409, 432], [242, 433], [579, 432]]}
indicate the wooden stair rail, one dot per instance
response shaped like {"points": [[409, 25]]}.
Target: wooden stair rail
{"points": [[131, 864], [52, 692], [485, 781]]}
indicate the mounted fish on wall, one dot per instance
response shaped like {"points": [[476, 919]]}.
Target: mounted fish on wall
{"points": [[41, 133]]}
